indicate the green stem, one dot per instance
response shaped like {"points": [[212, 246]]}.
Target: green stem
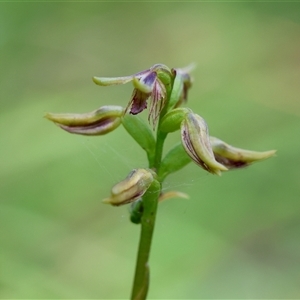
{"points": [[141, 279], [161, 136], [150, 201]]}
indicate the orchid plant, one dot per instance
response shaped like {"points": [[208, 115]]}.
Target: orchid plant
{"points": [[164, 91]]}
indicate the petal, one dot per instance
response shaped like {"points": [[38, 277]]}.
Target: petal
{"points": [[138, 102], [177, 91], [158, 98], [183, 74], [145, 84]]}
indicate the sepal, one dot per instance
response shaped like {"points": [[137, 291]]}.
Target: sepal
{"points": [[98, 122], [107, 81], [182, 83], [164, 74], [233, 157]]}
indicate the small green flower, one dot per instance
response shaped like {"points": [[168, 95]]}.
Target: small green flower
{"points": [[98, 122], [148, 85], [195, 140], [132, 188]]}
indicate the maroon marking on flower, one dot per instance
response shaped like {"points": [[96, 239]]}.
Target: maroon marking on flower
{"points": [[148, 87]]}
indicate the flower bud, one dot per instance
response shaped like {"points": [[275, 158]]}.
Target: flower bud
{"points": [[131, 188], [172, 120], [164, 74], [195, 140], [98, 122], [233, 157], [136, 211]]}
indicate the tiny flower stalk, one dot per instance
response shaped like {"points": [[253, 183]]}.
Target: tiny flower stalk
{"points": [[164, 92]]}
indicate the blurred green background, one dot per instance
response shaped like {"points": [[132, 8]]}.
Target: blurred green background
{"points": [[238, 236]]}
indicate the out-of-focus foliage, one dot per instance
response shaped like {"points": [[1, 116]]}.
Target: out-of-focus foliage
{"points": [[236, 237]]}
